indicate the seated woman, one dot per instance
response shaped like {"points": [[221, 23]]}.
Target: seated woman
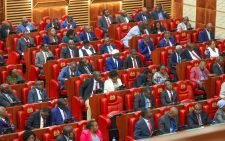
{"points": [[29, 135], [158, 28], [161, 76], [51, 38], [91, 133], [211, 50], [14, 77], [70, 35], [220, 113], [113, 83]]}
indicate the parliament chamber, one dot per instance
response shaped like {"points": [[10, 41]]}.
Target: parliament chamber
{"points": [[112, 70]]}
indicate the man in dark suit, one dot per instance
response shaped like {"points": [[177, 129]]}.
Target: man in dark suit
{"points": [[2, 61], [61, 113], [169, 96], [146, 47], [133, 60], [145, 127], [143, 79], [158, 13], [143, 15], [69, 71], [4, 32], [169, 122], [144, 100], [207, 34], [67, 134], [217, 67], [6, 126], [54, 24], [25, 26], [39, 119], [87, 34], [123, 18], [114, 62], [85, 67], [190, 53], [107, 47], [198, 117], [105, 21], [70, 51], [89, 88], [175, 58], [37, 93], [167, 40], [7, 97]]}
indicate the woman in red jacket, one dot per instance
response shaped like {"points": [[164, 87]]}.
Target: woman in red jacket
{"points": [[91, 133]]}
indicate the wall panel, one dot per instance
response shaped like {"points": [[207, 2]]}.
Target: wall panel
{"points": [[189, 9], [220, 19], [1, 10]]}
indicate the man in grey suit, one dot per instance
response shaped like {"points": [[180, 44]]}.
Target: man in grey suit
{"points": [[42, 57], [23, 43], [169, 96], [124, 17], [70, 51], [37, 93], [169, 122], [105, 21]]}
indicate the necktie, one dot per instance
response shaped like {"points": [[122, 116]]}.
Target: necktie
{"points": [[65, 115], [45, 124], [199, 120], [178, 59], [96, 85], [135, 63], [41, 94], [108, 21], [220, 68], [109, 49], [195, 55], [150, 127], [116, 62], [73, 54]]}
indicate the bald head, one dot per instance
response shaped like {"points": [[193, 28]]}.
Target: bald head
{"points": [[123, 12], [68, 132], [209, 27], [173, 112], [219, 60], [97, 75], [87, 28], [144, 10], [5, 88], [3, 112]]}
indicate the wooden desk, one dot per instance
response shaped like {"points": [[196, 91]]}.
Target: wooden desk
{"points": [[181, 70], [156, 56], [210, 86]]}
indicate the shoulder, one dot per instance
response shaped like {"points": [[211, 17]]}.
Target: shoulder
{"points": [[139, 122]]}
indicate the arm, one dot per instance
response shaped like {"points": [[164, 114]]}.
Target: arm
{"points": [[30, 122], [82, 88], [30, 97], [190, 122], [192, 75], [162, 126], [201, 37], [83, 137], [136, 103], [63, 53], [142, 48], [61, 75], [108, 65], [101, 26], [163, 99], [18, 47], [137, 132], [4, 103]]}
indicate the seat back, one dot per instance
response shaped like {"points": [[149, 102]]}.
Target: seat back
{"points": [[157, 90], [131, 76], [53, 133], [184, 91], [212, 106], [165, 55], [129, 98]]}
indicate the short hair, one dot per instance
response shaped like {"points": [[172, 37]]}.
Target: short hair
{"points": [[85, 42], [178, 47], [27, 134], [70, 32], [144, 112], [162, 65], [147, 89], [113, 74], [60, 101], [46, 109], [90, 124], [104, 10]]}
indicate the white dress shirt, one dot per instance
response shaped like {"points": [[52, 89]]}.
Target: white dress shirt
{"points": [[134, 31], [213, 53], [192, 56], [115, 61], [134, 62], [38, 94], [62, 113], [45, 54], [71, 53], [126, 19], [41, 122], [110, 86], [208, 33], [87, 50]]}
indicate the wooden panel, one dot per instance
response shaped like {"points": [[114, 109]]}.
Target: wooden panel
{"points": [[15, 10], [79, 10], [1, 10], [220, 20], [166, 5], [177, 5], [131, 5], [97, 1], [46, 3]]}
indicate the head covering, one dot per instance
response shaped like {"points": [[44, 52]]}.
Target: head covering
{"points": [[27, 134], [221, 103], [115, 51], [178, 47]]}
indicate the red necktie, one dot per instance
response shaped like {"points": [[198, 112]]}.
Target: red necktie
{"points": [[135, 63], [150, 127], [96, 85], [170, 96], [108, 21]]}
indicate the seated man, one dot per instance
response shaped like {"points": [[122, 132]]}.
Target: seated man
{"points": [[54, 23], [37, 93], [90, 87], [25, 26], [87, 34], [39, 119], [69, 51], [6, 126], [167, 40], [43, 56], [158, 13], [169, 96], [85, 67], [185, 25], [61, 113], [105, 21], [133, 60], [67, 134], [123, 18], [23, 43], [69, 71], [217, 67], [87, 49], [114, 62], [113, 83], [69, 23], [190, 53], [169, 122], [207, 34], [7, 97], [143, 15], [143, 79], [107, 47], [198, 117], [146, 47], [145, 127], [144, 100]]}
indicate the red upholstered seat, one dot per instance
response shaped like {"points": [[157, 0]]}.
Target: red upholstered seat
{"points": [[101, 62], [130, 76], [122, 30], [165, 55], [184, 91], [157, 90], [219, 82], [183, 37], [13, 58], [212, 106], [53, 133], [5, 73], [195, 34], [129, 98]]}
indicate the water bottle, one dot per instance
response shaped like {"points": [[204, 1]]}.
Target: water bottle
{"points": [[114, 139]]}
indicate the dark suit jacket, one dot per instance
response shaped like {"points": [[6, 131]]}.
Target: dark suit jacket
{"points": [[33, 97], [87, 87], [61, 138], [56, 117], [173, 61], [139, 101], [34, 121], [165, 100], [155, 31], [104, 49], [128, 62], [4, 100], [3, 34], [187, 56], [140, 18], [56, 26], [141, 130], [22, 45], [65, 53], [110, 64], [141, 80], [217, 70], [83, 36], [203, 36], [164, 124], [192, 120], [4, 125], [2, 60], [121, 19], [144, 50], [103, 25], [65, 24], [156, 17], [82, 70], [47, 40], [162, 42]]}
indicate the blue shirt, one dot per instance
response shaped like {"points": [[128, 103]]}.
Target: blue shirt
{"points": [[160, 15], [173, 126], [147, 101]]}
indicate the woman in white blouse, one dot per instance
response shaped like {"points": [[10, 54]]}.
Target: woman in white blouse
{"points": [[113, 82], [212, 51]]}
